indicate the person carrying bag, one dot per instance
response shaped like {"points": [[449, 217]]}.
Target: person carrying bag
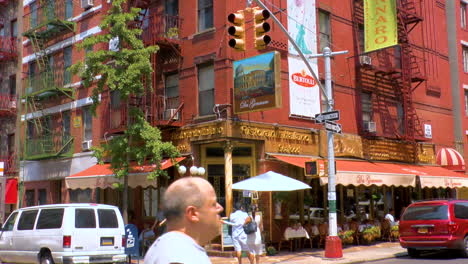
{"points": [[250, 226]]}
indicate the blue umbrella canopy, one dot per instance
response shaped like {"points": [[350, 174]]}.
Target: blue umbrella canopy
{"points": [[270, 182]]}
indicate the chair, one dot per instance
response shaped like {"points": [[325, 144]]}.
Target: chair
{"points": [[323, 232], [288, 243], [308, 227], [386, 230], [355, 227]]}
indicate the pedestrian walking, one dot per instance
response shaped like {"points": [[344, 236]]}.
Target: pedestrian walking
{"points": [[192, 219], [389, 217], [254, 240], [239, 237]]}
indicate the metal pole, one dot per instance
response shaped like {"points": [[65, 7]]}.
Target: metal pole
{"points": [[2, 193], [331, 152]]}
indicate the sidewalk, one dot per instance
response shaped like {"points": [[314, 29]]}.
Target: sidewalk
{"points": [[352, 254]]}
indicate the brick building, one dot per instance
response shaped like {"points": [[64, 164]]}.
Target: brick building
{"points": [[396, 105], [8, 104]]}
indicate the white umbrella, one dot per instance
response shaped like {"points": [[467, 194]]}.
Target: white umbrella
{"points": [[270, 182]]}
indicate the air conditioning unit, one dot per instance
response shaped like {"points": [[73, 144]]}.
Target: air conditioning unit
{"points": [[13, 104], [86, 145], [365, 60], [168, 113], [85, 4], [369, 126]]}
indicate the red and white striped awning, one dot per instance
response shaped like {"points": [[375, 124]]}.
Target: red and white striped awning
{"points": [[450, 159]]}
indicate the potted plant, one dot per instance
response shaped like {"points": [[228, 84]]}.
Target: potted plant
{"points": [[395, 232], [370, 234], [271, 251], [346, 237]]}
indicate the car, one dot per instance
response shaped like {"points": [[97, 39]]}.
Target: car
{"points": [[63, 233], [434, 225], [311, 213]]}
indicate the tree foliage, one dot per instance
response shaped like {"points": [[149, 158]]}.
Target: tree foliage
{"points": [[124, 70]]}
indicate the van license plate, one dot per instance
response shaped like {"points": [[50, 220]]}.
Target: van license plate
{"points": [[107, 241], [422, 230]]}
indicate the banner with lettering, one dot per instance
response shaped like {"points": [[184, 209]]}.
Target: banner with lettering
{"points": [[304, 93], [380, 24]]}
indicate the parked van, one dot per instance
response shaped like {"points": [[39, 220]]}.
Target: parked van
{"points": [[63, 233], [434, 225]]}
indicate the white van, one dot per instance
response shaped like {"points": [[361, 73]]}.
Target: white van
{"points": [[63, 233]]}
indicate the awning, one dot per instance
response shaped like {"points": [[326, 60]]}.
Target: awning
{"points": [[101, 176], [11, 191], [450, 159], [370, 173], [357, 172], [298, 161], [436, 176]]}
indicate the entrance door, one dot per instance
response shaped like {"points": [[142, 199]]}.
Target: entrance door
{"points": [[217, 179]]}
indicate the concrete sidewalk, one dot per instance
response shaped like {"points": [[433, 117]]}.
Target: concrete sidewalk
{"points": [[352, 254]]}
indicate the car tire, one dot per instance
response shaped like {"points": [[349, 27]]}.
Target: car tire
{"points": [[46, 258], [413, 252], [464, 250]]}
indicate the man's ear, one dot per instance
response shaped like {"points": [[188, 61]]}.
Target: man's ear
{"points": [[192, 214]]}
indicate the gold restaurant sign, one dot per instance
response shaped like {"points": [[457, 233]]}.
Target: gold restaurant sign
{"points": [[196, 133], [345, 145], [389, 150], [426, 154]]}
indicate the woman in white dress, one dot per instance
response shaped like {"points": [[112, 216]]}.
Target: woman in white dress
{"points": [[254, 240]]}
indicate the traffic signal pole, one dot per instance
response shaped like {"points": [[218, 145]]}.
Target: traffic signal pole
{"points": [[333, 248]]}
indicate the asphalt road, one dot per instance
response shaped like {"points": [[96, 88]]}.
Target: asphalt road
{"points": [[439, 257]]}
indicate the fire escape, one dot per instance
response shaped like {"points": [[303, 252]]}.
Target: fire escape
{"points": [[162, 29], [47, 80], [391, 75], [8, 54]]}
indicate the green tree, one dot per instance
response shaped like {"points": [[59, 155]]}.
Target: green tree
{"points": [[126, 69]]}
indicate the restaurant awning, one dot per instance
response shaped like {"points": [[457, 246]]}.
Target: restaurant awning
{"points": [[450, 159], [101, 176], [357, 172], [11, 191], [436, 176]]}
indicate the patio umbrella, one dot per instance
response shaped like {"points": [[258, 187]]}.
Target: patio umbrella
{"points": [[270, 182]]}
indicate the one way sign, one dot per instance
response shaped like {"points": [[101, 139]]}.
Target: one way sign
{"points": [[333, 127], [330, 116]]}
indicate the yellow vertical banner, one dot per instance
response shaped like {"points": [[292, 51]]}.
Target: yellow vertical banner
{"points": [[380, 24]]}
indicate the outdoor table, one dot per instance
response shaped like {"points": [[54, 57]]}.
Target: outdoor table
{"points": [[295, 234]]}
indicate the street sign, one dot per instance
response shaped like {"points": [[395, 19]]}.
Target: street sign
{"points": [[327, 116], [333, 127]]}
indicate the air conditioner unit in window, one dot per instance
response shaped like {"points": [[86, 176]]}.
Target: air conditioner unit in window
{"points": [[168, 113], [85, 4], [86, 145], [365, 60], [369, 126]]}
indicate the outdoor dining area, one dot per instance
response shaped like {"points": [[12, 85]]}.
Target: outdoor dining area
{"points": [[309, 230]]}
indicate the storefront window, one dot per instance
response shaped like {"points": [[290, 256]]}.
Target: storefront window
{"points": [[42, 199], [83, 196], [150, 198], [30, 197]]}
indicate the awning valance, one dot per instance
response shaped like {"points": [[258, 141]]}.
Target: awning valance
{"points": [[101, 176], [298, 161], [436, 176]]}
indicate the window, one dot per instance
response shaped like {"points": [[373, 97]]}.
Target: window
{"points": [[10, 223], [68, 9], [107, 218], [87, 124], [205, 89], [12, 85], [27, 220], [461, 210], [11, 144], [14, 28], [30, 197], [430, 212], [465, 58], [66, 124], [50, 219], [205, 14], [366, 101], [2, 31], [30, 130], [67, 57], [82, 196], [42, 196], [33, 14], [172, 91], [172, 7], [85, 218], [466, 102], [150, 197], [463, 15], [324, 27]]}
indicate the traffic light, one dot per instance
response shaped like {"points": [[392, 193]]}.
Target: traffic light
{"points": [[311, 168], [237, 30], [261, 27]]}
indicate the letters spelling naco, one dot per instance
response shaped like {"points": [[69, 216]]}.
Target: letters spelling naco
{"points": [[380, 24]]}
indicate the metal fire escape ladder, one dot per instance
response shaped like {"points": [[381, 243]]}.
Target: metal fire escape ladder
{"points": [[407, 19]]}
